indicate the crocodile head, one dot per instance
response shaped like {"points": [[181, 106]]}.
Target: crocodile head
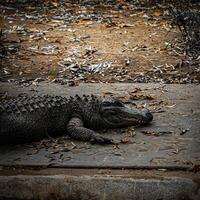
{"points": [[115, 114]]}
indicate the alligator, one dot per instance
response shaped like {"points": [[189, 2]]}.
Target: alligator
{"points": [[31, 118]]}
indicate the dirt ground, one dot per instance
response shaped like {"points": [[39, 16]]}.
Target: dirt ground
{"points": [[71, 43]]}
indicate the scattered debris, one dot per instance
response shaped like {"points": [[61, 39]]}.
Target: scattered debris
{"points": [[141, 97], [130, 134], [96, 68], [188, 22], [170, 106], [156, 133], [183, 131]]}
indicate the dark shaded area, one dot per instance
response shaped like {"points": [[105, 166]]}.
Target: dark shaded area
{"points": [[189, 23]]}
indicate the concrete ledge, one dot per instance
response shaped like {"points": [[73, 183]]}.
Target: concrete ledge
{"points": [[171, 149], [97, 187], [93, 171]]}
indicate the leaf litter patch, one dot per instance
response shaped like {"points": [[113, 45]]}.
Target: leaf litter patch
{"points": [[123, 41]]}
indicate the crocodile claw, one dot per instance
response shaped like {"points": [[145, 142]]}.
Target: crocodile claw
{"points": [[101, 140]]}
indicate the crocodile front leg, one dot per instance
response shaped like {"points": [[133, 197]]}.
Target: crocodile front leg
{"points": [[77, 131]]}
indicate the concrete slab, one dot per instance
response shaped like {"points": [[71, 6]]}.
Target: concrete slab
{"points": [[114, 185], [174, 140]]}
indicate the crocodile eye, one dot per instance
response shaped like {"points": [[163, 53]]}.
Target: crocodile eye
{"points": [[106, 103], [118, 103]]}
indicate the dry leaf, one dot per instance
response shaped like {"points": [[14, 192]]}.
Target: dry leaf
{"points": [[125, 140], [157, 13], [122, 25], [51, 77], [141, 97], [170, 106], [135, 90], [151, 133], [54, 4]]}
